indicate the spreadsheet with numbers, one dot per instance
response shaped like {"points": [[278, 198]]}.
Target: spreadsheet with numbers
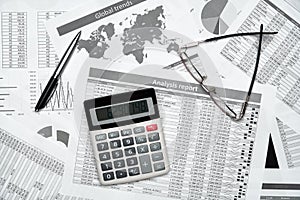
{"points": [[27, 172], [203, 164], [27, 57], [280, 61]]}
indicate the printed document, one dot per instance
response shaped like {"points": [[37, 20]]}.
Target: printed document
{"points": [[127, 29], [32, 145], [280, 61], [30, 168], [281, 184], [210, 155], [28, 57]]}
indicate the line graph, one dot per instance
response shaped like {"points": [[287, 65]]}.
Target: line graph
{"points": [[62, 98]]}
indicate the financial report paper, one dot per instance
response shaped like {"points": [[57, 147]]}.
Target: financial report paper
{"points": [[279, 66], [109, 32], [232, 169], [34, 17], [28, 57], [211, 156], [280, 61], [281, 184], [29, 168], [286, 137], [215, 17]]}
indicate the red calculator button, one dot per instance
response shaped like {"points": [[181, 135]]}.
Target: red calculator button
{"points": [[151, 127]]}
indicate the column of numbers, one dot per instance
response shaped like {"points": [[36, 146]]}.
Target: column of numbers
{"points": [[46, 53], [14, 39]]}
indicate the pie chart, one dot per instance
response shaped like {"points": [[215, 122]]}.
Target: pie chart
{"points": [[217, 16], [61, 136]]}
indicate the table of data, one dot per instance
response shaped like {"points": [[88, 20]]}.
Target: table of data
{"points": [[27, 172], [291, 144], [210, 154], [280, 58], [46, 52], [14, 39]]}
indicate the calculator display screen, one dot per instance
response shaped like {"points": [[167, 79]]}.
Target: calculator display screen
{"points": [[122, 110]]}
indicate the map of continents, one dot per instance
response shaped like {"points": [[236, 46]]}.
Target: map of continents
{"points": [[146, 27]]}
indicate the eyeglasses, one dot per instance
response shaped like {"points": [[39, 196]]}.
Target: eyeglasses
{"points": [[200, 76]]}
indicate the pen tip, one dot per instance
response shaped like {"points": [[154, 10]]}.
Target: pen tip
{"points": [[36, 110]]}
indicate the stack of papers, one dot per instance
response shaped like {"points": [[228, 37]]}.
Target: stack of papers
{"points": [[131, 44]]}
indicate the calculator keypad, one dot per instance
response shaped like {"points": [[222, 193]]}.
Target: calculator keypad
{"points": [[133, 153]]}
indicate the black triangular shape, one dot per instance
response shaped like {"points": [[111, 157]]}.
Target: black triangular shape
{"points": [[271, 160], [217, 28]]}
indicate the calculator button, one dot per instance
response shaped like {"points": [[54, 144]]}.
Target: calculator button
{"points": [[126, 132], [113, 134], [115, 144], [155, 146], [145, 164], [153, 136], [142, 149], [128, 141], [132, 161], [130, 151], [104, 156], [140, 139], [133, 171], [106, 166], [100, 137], [108, 176], [159, 166], [117, 154], [157, 156], [119, 163], [139, 129], [151, 127], [121, 173], [102, 146]]}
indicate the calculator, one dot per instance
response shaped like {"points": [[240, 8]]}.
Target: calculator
{"points": [[127, 136]]}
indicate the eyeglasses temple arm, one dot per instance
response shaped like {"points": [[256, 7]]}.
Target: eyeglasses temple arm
{"points": [[238, 35], [194, 44], [254, 74]]}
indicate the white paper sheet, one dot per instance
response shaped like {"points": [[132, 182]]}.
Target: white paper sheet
{"points": [[279, 62], [83, 176], [28, 57], [30, 78], [27, 62], [182, 182], [30, 168], [286, 136], [215, 17], [96, 43], [281, 184]]}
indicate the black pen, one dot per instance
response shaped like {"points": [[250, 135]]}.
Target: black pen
{"points": [[52, 83]]}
